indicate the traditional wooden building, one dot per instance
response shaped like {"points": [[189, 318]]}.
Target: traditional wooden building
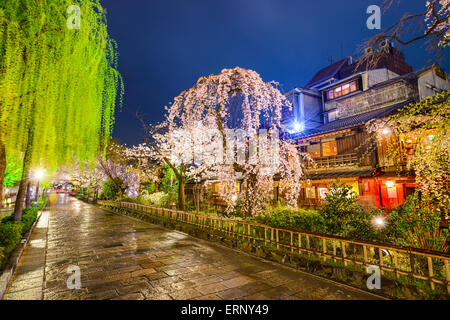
{"points": [[328, 122]]}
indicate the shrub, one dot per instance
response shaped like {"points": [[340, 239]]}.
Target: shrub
{"points": [[28, 218], [11, 231], [344, 217], [413, 224], [300, 219], [158, 199], [111, 188], [2, 258], [10, 235], [126, 198]]}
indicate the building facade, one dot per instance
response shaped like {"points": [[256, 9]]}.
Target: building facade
{"points": [[328, 122]]}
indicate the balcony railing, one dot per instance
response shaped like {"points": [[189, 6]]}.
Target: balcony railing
{"points": [[344, 160]]}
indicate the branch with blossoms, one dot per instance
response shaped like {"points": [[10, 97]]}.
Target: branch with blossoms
{"points": [[431, 25]]}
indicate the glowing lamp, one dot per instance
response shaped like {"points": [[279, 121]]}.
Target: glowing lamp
{"points": [[234, 197], [38, 174], [386, 131], [389, 184], [379, 222], [297, 127]]}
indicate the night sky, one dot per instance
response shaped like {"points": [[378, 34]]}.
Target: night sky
{"points": [[166, 45]]}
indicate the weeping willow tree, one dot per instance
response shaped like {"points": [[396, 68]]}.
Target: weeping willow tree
{"points": [[58, 85]]}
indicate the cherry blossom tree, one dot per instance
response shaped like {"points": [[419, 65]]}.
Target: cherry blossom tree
{"points": [[216, 130], [114, 165]]}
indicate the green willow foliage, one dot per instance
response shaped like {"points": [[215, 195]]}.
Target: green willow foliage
{"points": [[58, 86], [13, 171]]}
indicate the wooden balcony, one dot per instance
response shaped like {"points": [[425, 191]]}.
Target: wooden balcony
{"points": [[339, 161]]}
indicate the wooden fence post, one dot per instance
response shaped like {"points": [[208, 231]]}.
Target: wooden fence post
{"points": [[430, 272], [292, 241], [278, 239], [365, 255], [334, 250], [447, 274], [344, 253], [299, 243]]}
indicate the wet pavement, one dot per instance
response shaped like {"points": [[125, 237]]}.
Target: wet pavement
{"points": [[123, 258]]}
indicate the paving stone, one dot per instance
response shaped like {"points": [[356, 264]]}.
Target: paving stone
{"points": [[237, 281], [131, 296], [232, 294], [185, 294], [211, 288]]}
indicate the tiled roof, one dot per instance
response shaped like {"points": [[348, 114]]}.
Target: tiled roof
{"points": [[352, 121], [394, 61], [327, 72]]}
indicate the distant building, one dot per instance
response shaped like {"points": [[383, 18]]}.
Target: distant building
{"points": [[328, 121]]}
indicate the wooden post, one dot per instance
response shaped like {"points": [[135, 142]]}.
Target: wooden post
{"points": [[430, 272], [380, 250], [334, 250], [344, 254], [299, 242], [396, 264], [324, 249], [265, 235], [307, 243], [254, 235], [278, 240], [292, 241], [365, 255], [447, 274], [271, 235]]}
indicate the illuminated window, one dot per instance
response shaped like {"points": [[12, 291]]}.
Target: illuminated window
{"points": [[337, 92], [345, 89], [329, 148], [342, 90], [330, 94], [314, 150]]}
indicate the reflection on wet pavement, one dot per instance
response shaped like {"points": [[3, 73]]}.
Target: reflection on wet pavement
{"points": [[124, 258]]}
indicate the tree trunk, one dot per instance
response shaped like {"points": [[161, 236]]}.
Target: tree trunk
{"points": [[196, 195], [181, 195], [28, 196], [2, 170], [24, 181], [36, 196]]}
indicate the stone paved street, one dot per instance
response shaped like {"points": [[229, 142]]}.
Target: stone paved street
{"points": [[123, 258]]}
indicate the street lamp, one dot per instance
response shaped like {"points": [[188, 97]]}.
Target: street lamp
{"points": [[38, 175], [379, 222]]}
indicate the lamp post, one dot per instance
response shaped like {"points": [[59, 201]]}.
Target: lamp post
{"points": [[38, 175]]}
